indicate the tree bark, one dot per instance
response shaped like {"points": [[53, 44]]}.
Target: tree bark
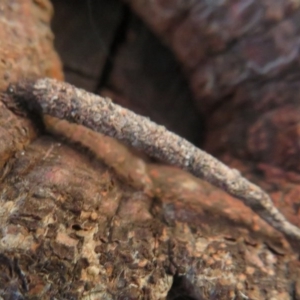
{"points": [[82, 217]]}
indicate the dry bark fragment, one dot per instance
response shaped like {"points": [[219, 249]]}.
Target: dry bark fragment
{"points": [[86, 235], [71, 214], [64, 101], [42, 216]]}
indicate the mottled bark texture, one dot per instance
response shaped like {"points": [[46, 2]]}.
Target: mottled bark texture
{"points": [[26, 50], [242, 61], [71, 229], [64, 101], [26, 41], [82, 217]]}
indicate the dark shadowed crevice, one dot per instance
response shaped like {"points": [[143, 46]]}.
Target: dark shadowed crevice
{"points": [[105, 48], [84, 33], [182, 289], [119, 38]]}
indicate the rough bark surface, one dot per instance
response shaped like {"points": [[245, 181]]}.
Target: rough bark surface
{"points": [[76, 231], [82, 217], [26, 40], [64, 101]]}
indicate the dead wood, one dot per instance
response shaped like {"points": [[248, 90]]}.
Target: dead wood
{"points": [[73, 227], [86, 234], [64, 101]]}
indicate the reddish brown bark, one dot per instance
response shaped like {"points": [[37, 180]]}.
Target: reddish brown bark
{"points": [[242, 61], [72, 227], [65, 101]]}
